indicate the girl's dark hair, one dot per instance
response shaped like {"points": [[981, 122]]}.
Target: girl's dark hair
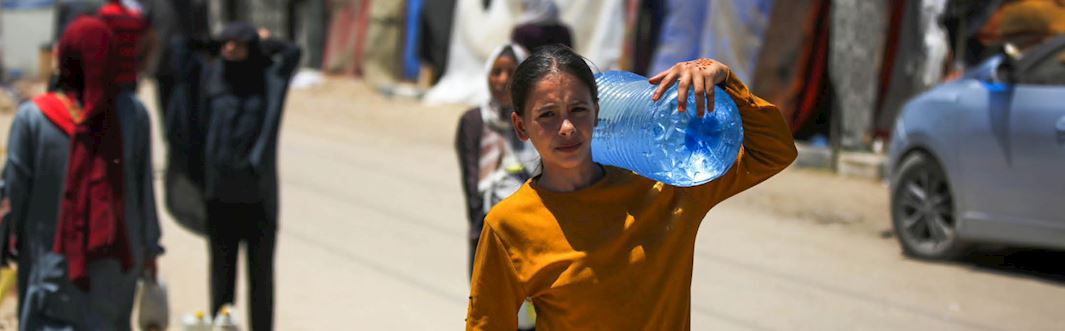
{"points": [[546, 60]]}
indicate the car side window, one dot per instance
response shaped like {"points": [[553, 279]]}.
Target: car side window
{"points": [[1050, 70]]}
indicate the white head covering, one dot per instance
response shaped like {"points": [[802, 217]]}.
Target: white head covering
{"points": [[504, 161], [491, 110], [538, 11]]}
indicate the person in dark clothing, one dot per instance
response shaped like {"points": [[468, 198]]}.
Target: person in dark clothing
{"points": [[180, 35], [539, 26], [78, 173], [493, 161], [172, 23], [241, 94], [490, 155]]}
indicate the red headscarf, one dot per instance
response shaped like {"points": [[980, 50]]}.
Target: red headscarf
{"points": [[92, 212], [128, 26]]}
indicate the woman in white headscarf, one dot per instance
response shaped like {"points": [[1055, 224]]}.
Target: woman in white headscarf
{"points": [[493, 161]]}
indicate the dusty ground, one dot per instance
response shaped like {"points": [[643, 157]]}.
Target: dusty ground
{"points": [[372, 238]]}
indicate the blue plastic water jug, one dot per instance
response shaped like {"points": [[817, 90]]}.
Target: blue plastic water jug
{"points": [[654, 140]]}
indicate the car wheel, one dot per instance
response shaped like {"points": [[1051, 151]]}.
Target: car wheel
{"points": [[922, 210]]}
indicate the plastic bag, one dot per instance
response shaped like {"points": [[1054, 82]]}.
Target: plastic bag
{"points": [[153, 305]]}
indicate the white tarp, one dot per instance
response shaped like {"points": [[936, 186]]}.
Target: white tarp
{"points": [[598, 28], [730, 31]]}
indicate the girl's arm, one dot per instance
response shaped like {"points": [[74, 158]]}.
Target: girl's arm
{"points": [[768, 147], [496, 293]]}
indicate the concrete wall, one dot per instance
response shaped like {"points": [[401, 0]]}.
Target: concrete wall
{"points": [[23, 32]]}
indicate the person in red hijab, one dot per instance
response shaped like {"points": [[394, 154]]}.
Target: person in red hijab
{"points": [[80, 182], [130, 27]]}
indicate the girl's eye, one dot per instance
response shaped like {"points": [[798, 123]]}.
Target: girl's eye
{"points": [[579, 109], [546, 114]]}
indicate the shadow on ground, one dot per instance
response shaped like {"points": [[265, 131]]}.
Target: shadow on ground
{"points": [[1039, 264]]}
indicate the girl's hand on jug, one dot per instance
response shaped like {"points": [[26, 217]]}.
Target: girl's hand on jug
{"points": [[703, 74]]}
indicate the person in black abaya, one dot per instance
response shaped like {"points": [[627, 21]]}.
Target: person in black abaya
{"points": [[225, 122]]}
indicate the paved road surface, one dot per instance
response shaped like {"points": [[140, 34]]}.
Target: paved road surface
{"points": [[373, 238]]}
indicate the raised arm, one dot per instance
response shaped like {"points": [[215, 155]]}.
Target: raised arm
{"points": [[286, 54], [286, 58], [768, 147]]}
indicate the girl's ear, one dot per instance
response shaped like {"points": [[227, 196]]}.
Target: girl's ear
{"points": [[519, 126]]}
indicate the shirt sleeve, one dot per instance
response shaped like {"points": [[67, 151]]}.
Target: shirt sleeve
{"points": [[18, 170], [288, 55], [496, 292], [768, 147]]}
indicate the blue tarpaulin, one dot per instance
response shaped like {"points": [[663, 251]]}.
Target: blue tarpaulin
{"points": [[26, 4], [411, 64], [730, 31]]}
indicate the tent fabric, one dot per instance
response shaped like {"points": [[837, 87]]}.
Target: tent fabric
{"points": [[917, 59], [434, 34], [729, 31], [644, 19], [477, 31], [599, 38], [365, 39], [383, 46], [347, 30], [791, 66], [26, 4], [410, 40], [378, 48], [309, 22]]}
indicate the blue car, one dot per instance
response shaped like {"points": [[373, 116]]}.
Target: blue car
{"points": [[982, 159]]}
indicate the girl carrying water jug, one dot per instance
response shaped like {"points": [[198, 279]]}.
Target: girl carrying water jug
{"points": [[599, 247]]}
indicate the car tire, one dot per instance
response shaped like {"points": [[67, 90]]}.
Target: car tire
{"points": [[922, 210]]}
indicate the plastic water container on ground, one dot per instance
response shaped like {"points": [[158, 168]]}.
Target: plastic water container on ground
{"points": [[196, 322]]}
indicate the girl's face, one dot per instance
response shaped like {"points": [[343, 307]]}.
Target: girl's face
{"points": [[499, 78], [559, 116]]}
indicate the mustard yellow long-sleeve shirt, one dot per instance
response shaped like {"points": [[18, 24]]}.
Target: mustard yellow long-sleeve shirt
{"points": [[617, 255]]}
